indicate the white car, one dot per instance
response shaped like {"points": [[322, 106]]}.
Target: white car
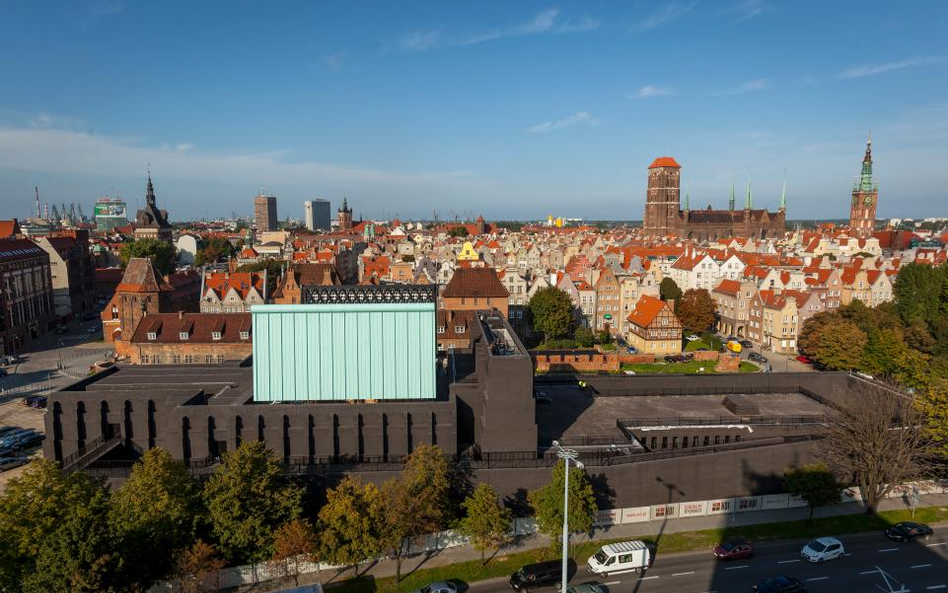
{"points": [[822, 549], [692, 338]]}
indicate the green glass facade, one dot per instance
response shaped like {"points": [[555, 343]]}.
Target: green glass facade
{"points": [[344, 352]]}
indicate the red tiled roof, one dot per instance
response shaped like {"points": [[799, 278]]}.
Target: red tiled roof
{"points": [[664, 161], [242, 282], [646, 310], [168, 327], [471, 282], [731, 287], [8, 228]]}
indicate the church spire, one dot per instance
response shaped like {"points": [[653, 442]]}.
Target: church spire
{"points": [[865, 178], [150, 189], [783, 192], [731, 200], [748, 200]]}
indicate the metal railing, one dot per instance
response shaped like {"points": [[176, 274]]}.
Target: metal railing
{"points": [[805, 419]]}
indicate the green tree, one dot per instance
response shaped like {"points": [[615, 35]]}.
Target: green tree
{"points": [[247, 498], [551, 310], [161, 253], [486, 521], [696, 310], [457, 231], [293, 543], [155, 512], [933, 403], [547, 503], [82, 554], [414, 504], [214, 249], [840, 346], [348, 530], [812, 330], [32, 508], [668, 290], [273, 267], [815, 483], [584, 337], [883, 352]]}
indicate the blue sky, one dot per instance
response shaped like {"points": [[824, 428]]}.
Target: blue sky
{"points": [[509, 109]]}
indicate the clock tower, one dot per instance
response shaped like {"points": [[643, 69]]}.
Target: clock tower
{"points": [[862, 211]]}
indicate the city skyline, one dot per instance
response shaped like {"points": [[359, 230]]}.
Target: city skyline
{"points": [[514, 113]]}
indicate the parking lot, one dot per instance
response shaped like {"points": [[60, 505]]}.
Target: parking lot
{"points": [[51, 363]]}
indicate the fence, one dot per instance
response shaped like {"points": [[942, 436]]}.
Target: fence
{"points": [[37, 386], [718, 420]]}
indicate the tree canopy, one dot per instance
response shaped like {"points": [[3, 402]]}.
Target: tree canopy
{"points": [[486, 521], [547, 504], [347, 523], [161, 253], [815, 483], [213, 250], [668, 290], [551, 310], [696, 310]]}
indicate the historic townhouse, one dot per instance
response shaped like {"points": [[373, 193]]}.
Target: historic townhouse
{"points": [[608, 302], [654, 328], [232, 292], [733, 299], [779, 321]]}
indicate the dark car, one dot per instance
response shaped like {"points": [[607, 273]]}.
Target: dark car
{"points": [[906, 530], [746, 344], [60, 330], [780, 584], [755, 357], [35, 401], [11, 462], [3, 373], [733, 549], [537, 575]]}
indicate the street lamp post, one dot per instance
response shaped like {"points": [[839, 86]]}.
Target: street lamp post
{"points": [[566, 455]]}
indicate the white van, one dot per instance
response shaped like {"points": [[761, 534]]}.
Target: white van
{"points": [[632, 556]]}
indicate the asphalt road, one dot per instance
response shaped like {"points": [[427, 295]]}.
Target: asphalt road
{"points": [[918, 566]]}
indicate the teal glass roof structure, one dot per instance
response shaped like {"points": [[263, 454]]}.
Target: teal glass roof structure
{"points": [[339, 352]]}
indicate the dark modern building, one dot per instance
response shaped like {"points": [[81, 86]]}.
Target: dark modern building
{"points": [[317, 214], [265, 213], [326, 406]]}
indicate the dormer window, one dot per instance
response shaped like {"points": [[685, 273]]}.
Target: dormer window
{"points": [[215, 335], [244, 335], [152, 335], [440, 329], [183, 335], [459, 329]]}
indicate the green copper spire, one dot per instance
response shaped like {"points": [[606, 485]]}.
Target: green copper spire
{"points": [[865, 179], [748, 200], [687, 198], [731, 200], [783, 192]]}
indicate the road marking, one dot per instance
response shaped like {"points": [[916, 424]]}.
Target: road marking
{"points": [[938, 544], [681, 574], [736, 567], [889, 550], [612, 583], [786, 561], [869, 572], [920, 566], [933, 587], [818, 579], [647, 578], [847, 554]]}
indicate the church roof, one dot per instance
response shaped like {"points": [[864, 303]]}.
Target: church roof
{"points": [[664, 161]]}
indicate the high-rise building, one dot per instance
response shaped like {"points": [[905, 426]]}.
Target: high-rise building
{"points": [[110, 213], [862, 212], [316, 214], [265, 213]]}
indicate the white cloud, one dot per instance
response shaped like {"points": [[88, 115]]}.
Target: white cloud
{"points": [[667, 13], [578, 118], [651, 90], [547, 21], [871, 70], [758, 84], [419, 41], [334, 61], [73, 152]]}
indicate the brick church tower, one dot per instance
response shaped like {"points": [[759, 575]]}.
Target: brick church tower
{"points": [[663, 199], [862, 212], [344, 216]]}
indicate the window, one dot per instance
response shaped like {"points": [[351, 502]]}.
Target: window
{"points": [[176, 359], [727, 439], [654, 442], [674, 442], [737, 438], [156, 359], [717, 439], [183, 335], [694, 442], [664, 442], [145, 359], [244, 335], [707, 441], [440, 329], [664, 321], [459, 329], [208, 358], [188, 359], [152, 336], [220, 359]]}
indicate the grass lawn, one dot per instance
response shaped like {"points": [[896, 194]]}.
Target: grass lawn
{"points": [[690, 367], [748, 367], [506, 564]]}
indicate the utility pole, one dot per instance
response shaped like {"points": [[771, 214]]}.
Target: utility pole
{"points": [[566, 455]]}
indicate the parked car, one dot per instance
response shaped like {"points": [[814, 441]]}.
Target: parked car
{"points": [[541, 397], [780, 584], [9, 359], [35, 401], [906, 530], [586, 588], [755, 357], [94, 329], [746, 344], [5, 430], [692, 338], [11, 462], [822, 549], [630, 556], [439, 587], [632, 350], [804, 359], [537, 575], [733, 549]]}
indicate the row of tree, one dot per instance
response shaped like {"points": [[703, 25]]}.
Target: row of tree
{"points": [[70, 533]]}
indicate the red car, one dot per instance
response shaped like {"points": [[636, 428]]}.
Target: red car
{"points": [[733, 549], [804, 359]]}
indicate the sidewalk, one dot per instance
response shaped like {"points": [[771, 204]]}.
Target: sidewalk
{"points": [[448, 556]]}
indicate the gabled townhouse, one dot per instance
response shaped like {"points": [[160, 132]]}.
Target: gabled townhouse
{"points": [[733, 299], [232, 292], [654, 328], [608, 302]]}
